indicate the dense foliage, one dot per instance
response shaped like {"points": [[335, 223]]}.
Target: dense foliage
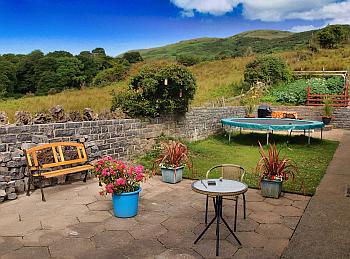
{"points": [[296, 92], [187, 60], [157, 90], [332, 36], [268, 70], [133, 57], [41, 74]]}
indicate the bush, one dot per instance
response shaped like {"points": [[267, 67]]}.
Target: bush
{"points": [[267, 69], [133, 57], [109, 75], [187, 60], [157, 90], [332, 36]]}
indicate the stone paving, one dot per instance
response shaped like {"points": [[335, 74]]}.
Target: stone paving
{"points": [[76, 222]]}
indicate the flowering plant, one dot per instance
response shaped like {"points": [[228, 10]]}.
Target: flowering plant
{"points": [[273, 167], [117, 176]]}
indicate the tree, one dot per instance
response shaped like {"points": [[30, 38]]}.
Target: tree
{"points": [[157, 90], [332, 36], [109, 75], [26, 72], [69, 72], [99, 52], [267, 69], [7, 78], [48, 82], [133, 57], [59, 54]]}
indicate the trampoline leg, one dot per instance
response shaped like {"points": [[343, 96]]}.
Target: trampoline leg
{"points": [[240, 131], [309, 138], [321, 133], [267, 138]]}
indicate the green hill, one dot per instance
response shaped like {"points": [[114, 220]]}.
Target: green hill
{"points": [[243, 44]]}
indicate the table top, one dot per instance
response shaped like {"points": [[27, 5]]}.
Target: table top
{"points": [[223, 187]]}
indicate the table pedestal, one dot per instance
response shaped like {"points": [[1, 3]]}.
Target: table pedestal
{"points": [[218, 216]]}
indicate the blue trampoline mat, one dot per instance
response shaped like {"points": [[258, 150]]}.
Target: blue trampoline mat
{"points": [[272, 124]]}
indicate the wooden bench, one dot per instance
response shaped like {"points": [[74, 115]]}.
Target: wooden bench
{"points": [[56, 159]]}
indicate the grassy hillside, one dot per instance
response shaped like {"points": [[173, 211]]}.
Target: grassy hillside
{"points": [[260, 41]]}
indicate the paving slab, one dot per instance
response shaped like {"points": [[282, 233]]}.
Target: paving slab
{"points": [[80, 224], [324, 229]]}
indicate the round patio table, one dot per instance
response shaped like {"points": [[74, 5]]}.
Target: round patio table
{"points": [[221, 188]]}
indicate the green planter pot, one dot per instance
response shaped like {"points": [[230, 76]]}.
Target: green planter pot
{"points": [[172, 175], [271, 189]]}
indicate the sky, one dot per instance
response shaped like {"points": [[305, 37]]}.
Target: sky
{"points": [[122, 25]]}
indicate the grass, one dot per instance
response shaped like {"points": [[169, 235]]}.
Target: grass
{"points": [[98, 99], [312, 160]]}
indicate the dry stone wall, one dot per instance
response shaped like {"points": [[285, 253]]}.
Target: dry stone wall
{"points": [[120, 138]]}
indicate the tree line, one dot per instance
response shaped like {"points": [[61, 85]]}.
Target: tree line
{"points": [[41, 74]]}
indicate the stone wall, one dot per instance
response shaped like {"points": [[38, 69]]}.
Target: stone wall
{"points": [[120, 138]]}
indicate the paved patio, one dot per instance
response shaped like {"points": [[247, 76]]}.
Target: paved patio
{"points": [[76, 223]]}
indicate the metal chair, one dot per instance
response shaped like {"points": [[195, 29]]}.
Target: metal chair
{"points": [[230, 172]]}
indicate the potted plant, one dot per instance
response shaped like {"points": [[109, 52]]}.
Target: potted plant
{"points": [[327, 111], [273, 171], [123, 182], [172, 161], [249, 110]]}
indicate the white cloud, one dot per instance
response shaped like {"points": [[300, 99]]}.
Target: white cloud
{"points": [[301, 28], [331, 11], [214, 7]]}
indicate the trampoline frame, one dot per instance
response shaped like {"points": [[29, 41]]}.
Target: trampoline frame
{"points": [[307, 125]]}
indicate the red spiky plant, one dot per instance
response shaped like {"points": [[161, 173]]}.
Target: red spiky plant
{"points": [[272, 166]]}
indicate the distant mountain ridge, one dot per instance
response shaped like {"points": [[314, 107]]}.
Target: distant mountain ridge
{"points": [[257, 41]]}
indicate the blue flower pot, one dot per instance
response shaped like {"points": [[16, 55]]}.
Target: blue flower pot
{"points": [[125, 205], [172, 175], [271, 189]]}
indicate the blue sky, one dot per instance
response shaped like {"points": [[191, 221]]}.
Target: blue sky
{"points": [[119, 25]]}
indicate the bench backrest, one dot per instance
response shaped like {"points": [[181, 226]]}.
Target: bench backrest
{"points": [[55, 154]]}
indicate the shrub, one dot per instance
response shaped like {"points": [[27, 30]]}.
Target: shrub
{"points": [[332, 36], [157, 90], [133, 57], [267, 69], [109, 75], [187, 60]]}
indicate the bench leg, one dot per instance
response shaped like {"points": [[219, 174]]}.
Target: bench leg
{"points": [[41, 189], [86, 173], [29, 183]]}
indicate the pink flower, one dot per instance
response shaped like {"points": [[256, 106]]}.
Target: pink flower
{"points": [[98, 169], [139, 169], [139, 176], [120, 181], [105, 172]]}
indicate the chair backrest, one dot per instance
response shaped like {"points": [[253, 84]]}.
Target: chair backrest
{"points": [[227, 171], [55, 154]]}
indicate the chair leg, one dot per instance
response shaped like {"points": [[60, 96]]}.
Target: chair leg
{"points": [[86, 173], [244, 206], [206, 210], [236, 205], [29, 184], [41, 189]]}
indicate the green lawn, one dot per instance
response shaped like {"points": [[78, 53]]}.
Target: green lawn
{"points": [[312, 160]]}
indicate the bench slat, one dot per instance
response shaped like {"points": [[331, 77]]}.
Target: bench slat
{"points": [[65, 171]]}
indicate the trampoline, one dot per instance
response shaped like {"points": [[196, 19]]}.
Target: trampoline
{"points": [[272, 124]]}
